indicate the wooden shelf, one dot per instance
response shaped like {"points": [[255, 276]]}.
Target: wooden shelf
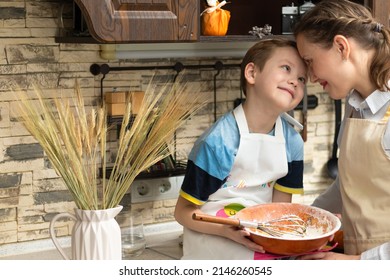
{"points": [[202, 39], [75, 40]]}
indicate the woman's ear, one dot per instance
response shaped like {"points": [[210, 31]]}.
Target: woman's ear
{"points": [[250, 73], [342, 45]]}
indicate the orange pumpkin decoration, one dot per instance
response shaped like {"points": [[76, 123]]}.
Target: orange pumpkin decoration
{"points": [[215, 23]]}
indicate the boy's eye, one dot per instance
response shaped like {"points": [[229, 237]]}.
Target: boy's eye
{"points": [[287, 67], [302, 80]]}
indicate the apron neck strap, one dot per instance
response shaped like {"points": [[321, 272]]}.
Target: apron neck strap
{"points": [[239, 115], [241, 119]]}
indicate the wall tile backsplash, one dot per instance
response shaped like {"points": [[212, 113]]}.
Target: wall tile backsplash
{"points": [[31, 192]]}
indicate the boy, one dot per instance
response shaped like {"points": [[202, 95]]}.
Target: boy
{"points": [[249, 156]]}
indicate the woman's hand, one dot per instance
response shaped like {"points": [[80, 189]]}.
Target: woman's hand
{"points": [[241, 236], [328, 256]]}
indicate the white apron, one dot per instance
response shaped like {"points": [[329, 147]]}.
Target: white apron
{"points": [[364, 185], [261, 159]]}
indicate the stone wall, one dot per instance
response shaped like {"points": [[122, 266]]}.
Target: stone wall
{"points": [[31, 192]]}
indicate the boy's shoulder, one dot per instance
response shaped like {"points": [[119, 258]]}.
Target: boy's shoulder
{"points": [[290, 133], [223, 127], [222, 135], [221, 138]]}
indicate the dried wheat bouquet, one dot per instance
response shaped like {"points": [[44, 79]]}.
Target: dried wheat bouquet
{"points": [[74, 138]]}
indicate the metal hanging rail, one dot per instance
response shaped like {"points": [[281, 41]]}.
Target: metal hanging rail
{"points": [[104, 69], [97, 69]]}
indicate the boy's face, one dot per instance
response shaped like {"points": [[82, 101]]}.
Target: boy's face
{"points": [[280, 85]]}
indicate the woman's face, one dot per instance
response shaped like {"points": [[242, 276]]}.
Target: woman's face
{"points": [[327, 67]]}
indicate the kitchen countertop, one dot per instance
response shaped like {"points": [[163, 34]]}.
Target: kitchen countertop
{"points": [[168, 250], [164, 244]]}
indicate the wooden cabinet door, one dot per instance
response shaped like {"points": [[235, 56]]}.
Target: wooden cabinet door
{"points": [[381, 10], [124, 21]]}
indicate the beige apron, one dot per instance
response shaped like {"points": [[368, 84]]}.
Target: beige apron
{"points": [[261, 159], [364, 172]]}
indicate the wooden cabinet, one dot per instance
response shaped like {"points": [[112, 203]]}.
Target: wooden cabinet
{"points": [[132, 21], [123, 21], [380, 9]]}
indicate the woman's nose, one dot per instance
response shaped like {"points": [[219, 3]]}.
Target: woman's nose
{"points": [[313, 77]]}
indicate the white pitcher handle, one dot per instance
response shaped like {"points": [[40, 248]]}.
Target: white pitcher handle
{"points": [[53, 233]]}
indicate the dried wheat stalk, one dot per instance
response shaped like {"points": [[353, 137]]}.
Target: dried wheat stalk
{"points": [[74, 140]]}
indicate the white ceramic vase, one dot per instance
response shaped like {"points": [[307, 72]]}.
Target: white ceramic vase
{"points": [[96, 235]]}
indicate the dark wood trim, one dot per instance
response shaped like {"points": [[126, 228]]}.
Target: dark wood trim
{"points": [[380, 10]]}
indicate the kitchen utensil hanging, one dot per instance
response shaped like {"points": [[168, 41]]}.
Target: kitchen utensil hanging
{"points": [[218, 66], [178, 67], [304, 115], [332, 164]]}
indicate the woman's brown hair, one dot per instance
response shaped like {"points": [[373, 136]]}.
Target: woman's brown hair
{"points": [[329, 18]]}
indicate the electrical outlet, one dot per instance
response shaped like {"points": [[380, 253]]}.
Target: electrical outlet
{"points": [[156, 189]]}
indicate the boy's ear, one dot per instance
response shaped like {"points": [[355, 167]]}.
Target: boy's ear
{"points": [[250, 73], [342, 45]]}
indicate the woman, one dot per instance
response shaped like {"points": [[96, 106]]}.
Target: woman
{"points": [[348, 53]]}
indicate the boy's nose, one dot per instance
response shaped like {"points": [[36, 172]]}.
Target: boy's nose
{"points": [[293, 82]]}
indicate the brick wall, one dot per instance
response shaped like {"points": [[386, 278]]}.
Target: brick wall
{"points": [[31, 192]]}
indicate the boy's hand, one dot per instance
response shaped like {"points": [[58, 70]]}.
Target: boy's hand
{"points": [[241, 236]]}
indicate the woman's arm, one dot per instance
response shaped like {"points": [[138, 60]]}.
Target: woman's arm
{"points": [[381, 252], [331, 199]]}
